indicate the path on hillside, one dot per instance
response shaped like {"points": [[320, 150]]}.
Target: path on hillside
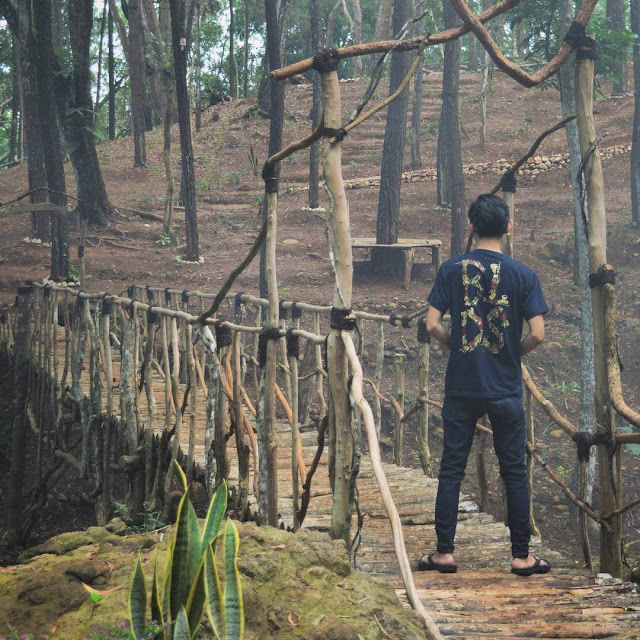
{"points": [[483, 599]]}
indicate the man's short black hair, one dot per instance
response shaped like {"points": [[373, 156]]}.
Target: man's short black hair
{"points": [[489, 216]]}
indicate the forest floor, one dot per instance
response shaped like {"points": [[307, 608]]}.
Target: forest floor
{"points": [[130, 250]]}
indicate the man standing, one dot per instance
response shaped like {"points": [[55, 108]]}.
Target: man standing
{"points": [[489, 295]]}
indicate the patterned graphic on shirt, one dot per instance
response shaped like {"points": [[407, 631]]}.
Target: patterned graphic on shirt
{"points": [[491, 334]]}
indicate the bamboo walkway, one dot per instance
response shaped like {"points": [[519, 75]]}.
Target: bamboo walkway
{"points": [[483, 600]]}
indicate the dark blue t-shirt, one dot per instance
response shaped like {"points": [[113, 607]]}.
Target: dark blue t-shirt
{"points": [[489, 296]]}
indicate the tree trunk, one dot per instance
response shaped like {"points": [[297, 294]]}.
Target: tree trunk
{"points": [[137, 72], [357, 35], [393, 150], [15, 499], [37, 173], [616, 21], [198, 65], [245, 53], [94, 205], [14, 135], [112, 82], [276, 109], [51, 140], [233, 82], [382, 28], [103, 24], [450, 178], [587, 416], [473, 45], [314, 151], [182, 93], [416, 114], [635, 148]]}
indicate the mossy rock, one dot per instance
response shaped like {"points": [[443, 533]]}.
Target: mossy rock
{"points": [[294, 586]]}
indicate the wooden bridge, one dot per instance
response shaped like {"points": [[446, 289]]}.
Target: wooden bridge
{"points": [[124, 385]]}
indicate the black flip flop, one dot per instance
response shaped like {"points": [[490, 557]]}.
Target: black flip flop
{"points": [[536, 567], [430, 565]]}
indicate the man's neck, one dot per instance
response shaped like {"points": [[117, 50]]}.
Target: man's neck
{"points": [[491, 244]]}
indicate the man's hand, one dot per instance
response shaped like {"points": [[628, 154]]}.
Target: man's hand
{"points": [[535, 335], [435, 327]]}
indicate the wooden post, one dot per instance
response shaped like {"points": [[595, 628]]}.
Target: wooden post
{"points": [[108, 369], [242, 498], [377, 376], [152, 325], [610, 542], [509, 196], [221, 429], [265, 423], [531, 439], [319, 367], [340, 415], [424, 339], [481, 468], [293, 353], [193, 401], [398, 447], [18, 446]]}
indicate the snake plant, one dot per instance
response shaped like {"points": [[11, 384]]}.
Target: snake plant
{"points": [[190, 582]]}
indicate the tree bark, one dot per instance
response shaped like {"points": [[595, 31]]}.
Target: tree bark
{"points": [[416, 114], [314, 151], [198, 70], [233, 82], [357, 34], [382, 28], [94, 205], [587, 416], [472, 44], [103, 25], [616, 21], [393, 149], [182, 93], [450, 177], [112, 82], [51, 139], [20, 429], [276, 109], [14, 135], [137, 71], [635, 148]]}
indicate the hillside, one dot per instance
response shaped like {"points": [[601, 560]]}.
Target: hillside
{"points": [[128, 251]]}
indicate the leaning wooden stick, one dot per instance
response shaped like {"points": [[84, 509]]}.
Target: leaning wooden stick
{"points": [[387, 45], [376, 464]]}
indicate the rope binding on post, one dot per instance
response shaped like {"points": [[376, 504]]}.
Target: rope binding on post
{"points": [[131, 291], [152, 316], [326, 60], [167, 296], [238, 301], [423, 334], [584, 45], [185, 298], [293, 345], [296, 312], [270, 177], [338, 134], [107, 305], [282, 312], [509, 182], [343, 319], [150, 295], [263, 337], [80, 251], [224, 337], [604, 275], [583, 442]]}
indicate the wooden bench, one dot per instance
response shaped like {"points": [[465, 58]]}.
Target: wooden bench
{"points": [[408, 247]]}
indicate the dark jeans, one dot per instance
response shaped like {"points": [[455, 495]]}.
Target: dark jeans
{"points": [[507, 421]]}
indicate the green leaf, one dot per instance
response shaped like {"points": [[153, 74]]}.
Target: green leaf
{"points": [[216, 512], [215, 605], [197, 599], [137, 601], [180, 560], [156, 598], [180, 473], [95, 597], [181, 630], [195, 546], [233, 605]]}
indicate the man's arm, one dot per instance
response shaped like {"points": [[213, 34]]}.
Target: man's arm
{"points": [[435, 327], [535, 335]]}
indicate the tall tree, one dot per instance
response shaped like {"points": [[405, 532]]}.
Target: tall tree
{"points": [[450, 177], [635, 149], [233, 74], [245, 53], [275, 44], [587, 416], [137, 72], [393, 147], [111, 66], [180, 53], [616, 21], [94, 204], [46, 71], [416, 110], [314, 151]]}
